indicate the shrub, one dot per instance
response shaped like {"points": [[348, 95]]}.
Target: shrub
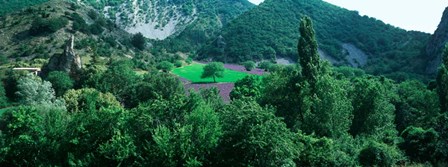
{"points": [[249, 65], [79, 24], [138, 41], [379, 154], [96, 28], [419, 144], [265, 65], [189, 61], [165, 66], [178, 63], [61, 82], [44, 26], [3, 98]]}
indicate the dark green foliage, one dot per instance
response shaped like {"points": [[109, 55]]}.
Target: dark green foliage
{"points": [[265, 140], [92, 14], [154, 85], [90, 76], [96, 138], [33, 136], [3, 98], [249, 65], [308, 115], [373, 111], [10, 83], [3, 59], [266, 65], [417, 106], [15, 5], [213, 70], [442, 145], [249, 86], [60, 81], [138, 41], [324, 105], [117, 78], [271, 26], [165, 66], [175, 132], [326, 110], [280, 89], [442, 81], [378, 154], [189, 60], [322, 152], [419, 144], [79, 24], [96, 28], [178, 63], [42, 26], [348, 72], [307, 49], [190, 143], [212, 97]]}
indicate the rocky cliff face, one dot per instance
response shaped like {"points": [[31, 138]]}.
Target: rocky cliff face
{"points": [[68, 62], [160, 19], [436, 44]]}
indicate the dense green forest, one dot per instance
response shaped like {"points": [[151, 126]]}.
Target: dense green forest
{"points": [[307, 114], [270, 31], [267, 31]]}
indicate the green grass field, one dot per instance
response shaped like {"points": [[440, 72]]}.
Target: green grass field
{"points": [[193, 73]]}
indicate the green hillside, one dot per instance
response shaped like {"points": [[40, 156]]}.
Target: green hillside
{"points": [[8, 6], [272, 29], [31, 36], [120, 107], [212, 16], [197, 20]]}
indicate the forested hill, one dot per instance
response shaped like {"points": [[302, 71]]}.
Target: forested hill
{"points": [[181, 25], [31, 36], [272, 29], [211, 17], [436, 44], [8, 6]]}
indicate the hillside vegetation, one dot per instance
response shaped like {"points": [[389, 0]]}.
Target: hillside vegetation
{"points": [[30, 37], [127, 106], [180, 25], [8, 6], [271, 29], [306, 114]]}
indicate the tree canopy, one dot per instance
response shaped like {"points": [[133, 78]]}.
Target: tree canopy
{"points": [[304, 114], [213, 70]]}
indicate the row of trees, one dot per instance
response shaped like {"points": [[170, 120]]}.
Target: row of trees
{"points": [[380, 121], [304, 115]]}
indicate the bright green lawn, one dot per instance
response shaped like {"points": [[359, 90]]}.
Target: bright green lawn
{"points": [[193, 73]]}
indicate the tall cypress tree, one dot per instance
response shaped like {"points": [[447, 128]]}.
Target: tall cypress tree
{"points": [[324, 107], [308, 56], [442, 81]]}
